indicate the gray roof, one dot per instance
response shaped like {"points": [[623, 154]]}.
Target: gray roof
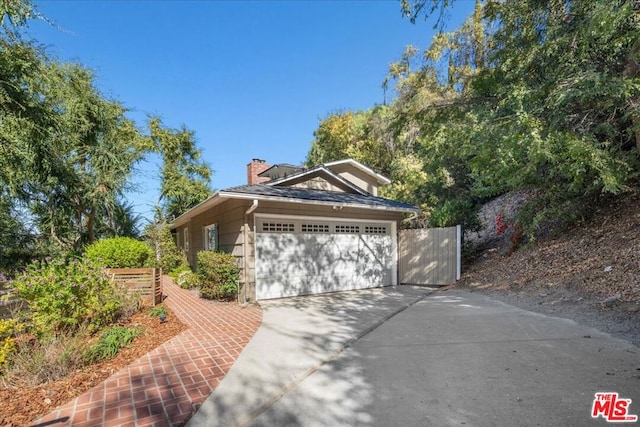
{"points": [[281, 170], [321, 196]]}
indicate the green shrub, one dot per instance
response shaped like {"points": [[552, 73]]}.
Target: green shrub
{"points": [[120, 252], [7, 347], [111, 341], [187, 280], [63, 297], [8, 329], [184, 277], [176, 271], [453, 212], [167, 255], [218, 275]]}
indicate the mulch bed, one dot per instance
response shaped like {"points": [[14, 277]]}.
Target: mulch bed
{"points": [[22, 405]]}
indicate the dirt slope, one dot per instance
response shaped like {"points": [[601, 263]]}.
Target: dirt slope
{"points": [[590, 273]]}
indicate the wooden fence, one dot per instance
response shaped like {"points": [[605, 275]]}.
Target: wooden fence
{"points": [[430, 256], [147, 282]]}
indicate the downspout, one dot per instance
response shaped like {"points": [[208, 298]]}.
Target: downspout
{"points": [[245, 250]]}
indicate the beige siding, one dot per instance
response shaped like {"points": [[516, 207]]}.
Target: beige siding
{"points": [[315, 181], [229, 216], [304, 209], [357, 177], [318, 183], [250, 294]]}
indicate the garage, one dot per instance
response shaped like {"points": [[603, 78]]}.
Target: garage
{"points": [[300, 230], [310, 255]]}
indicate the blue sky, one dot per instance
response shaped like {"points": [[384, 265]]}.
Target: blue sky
{"points": [[251, 78]]}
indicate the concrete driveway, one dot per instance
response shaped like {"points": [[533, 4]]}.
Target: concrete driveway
{"points": [[407, 356]]}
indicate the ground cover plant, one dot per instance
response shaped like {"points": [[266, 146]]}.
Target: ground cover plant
{"points": [[24, 398]]}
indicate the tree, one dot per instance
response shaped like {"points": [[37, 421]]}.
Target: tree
{"points": [[464, 49], [17, 241], [551, 108], [66, 152], [184, 176], [333, 137], [16, 12], [121, 220], [539, 96], [95, 148], [558, 107], [413, 9], [168, 256]]}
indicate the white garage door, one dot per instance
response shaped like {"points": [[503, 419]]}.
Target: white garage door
{"points": [[298, 256]]}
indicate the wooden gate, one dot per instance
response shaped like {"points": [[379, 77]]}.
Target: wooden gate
{"points": [[430, 256]]}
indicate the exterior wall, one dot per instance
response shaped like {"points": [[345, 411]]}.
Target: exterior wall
{"points": [[305, 209], [357, 177], [230, 219], [318, 183], [229, 216]]}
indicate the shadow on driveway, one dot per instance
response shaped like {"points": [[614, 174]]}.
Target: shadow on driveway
{"points": [[406, 356]]}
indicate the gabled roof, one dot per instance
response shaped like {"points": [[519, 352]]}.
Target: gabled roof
{"points": [[295, 172], [280, 170], [268, 192], [380, 178], [317, 170], [276, 192], [296, 195]]}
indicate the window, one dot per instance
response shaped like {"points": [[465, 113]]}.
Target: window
{"points": [[315, 228], [347, 229], [278, 227], [185, 242], [374, 229], [210, 237]]}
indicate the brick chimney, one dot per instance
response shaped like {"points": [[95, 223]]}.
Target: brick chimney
{"points": [[253, 169]]}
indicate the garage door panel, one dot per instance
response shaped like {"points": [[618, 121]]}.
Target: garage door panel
{"points": [[293, 254], [289, 264], [275, 287]]}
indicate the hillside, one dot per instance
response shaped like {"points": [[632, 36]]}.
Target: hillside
{"points": [[590, 273]]}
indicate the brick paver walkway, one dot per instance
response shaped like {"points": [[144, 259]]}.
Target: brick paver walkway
{"points": [[163, 387]]}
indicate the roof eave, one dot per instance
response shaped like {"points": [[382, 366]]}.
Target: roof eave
{"points": [[380, 178], [209, 202], [246, 196], [318, 169]]}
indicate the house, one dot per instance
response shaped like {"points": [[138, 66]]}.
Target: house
{"points": [[298, 231]]}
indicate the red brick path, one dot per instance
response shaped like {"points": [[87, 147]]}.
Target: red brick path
{"points": [[163, 387]]}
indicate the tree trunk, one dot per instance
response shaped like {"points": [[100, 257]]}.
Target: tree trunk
{"points": [[91, 221]]}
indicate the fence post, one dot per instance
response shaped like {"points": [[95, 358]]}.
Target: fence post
{"points": [[458, 251]]}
